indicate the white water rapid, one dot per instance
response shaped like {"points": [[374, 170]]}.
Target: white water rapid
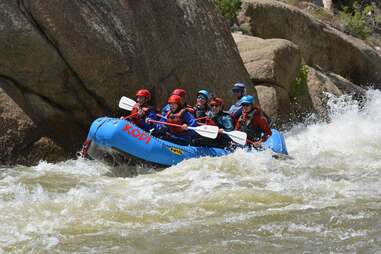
{"points": [[326, 199]]}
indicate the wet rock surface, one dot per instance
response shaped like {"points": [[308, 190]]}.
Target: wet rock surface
{"points": [[71, 61], [320, 44]]}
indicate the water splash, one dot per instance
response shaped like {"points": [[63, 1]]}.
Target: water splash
{"points": [[327, 199]]}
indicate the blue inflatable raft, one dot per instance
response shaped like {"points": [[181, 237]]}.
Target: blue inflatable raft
{"points": [[110, 136]]}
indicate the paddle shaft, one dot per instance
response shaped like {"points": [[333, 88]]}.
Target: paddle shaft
{"points": [[200, 118], [176, 125], [132, 115], [169, 124], [162, 116]]}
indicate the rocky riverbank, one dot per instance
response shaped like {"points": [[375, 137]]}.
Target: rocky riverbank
{"points": [[65, 63]]}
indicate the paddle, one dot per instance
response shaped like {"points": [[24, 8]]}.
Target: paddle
{"points": [[132, 115], [161, 116], [237, 136], [207, 131], [126, 103]]}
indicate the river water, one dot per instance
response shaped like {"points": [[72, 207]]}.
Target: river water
{"points": [[326, 199]]}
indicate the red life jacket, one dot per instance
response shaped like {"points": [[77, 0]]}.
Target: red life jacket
{"points": [[176, 118], [135, 117], [255, 124]]}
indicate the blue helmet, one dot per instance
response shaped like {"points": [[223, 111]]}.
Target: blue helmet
{"points": [[239, 87], [248, 99], [204, 93]]}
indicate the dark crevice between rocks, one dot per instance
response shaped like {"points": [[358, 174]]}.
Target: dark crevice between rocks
{"points": [[265, 82], [12, 82], [44, 34], [9, 87], [54, 129], [31, 134]]}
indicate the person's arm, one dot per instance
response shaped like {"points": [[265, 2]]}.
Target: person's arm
{"points": [[237, 113], [151, 114], [237, 125], [133, 114], [158, 126], [232, 109], [189, 119], [261, 121]]}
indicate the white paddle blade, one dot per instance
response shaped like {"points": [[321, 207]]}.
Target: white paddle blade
{"points": [[237, 136], [126, 103], [207, 131]]}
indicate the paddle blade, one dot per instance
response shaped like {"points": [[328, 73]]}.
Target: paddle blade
{"points": [[207, 131], [237, 136], [126, 103]]}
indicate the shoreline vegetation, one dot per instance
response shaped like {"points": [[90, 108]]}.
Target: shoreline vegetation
{"points": [[358, 18]]}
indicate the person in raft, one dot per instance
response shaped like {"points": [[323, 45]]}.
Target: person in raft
{"points": [[179, 115], [142, 111], [179, 92], [201, 107], [253, 121], [239, 90], [217, 117]]}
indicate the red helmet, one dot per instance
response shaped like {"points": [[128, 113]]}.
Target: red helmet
{"points": [[174, 99], [144, 93], [216, 101], [180, 92]]}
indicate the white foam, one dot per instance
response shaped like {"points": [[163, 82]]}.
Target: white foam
{"points": [[335, 163]]}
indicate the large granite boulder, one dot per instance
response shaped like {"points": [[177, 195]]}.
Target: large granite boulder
{"points": [[288, 90], [268, 96], [320, 44], [273, 66], [322, 85], [275, 61], [71, 61]]}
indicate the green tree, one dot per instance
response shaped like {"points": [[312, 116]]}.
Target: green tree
{"points": [[354, 19], [228, 8]]}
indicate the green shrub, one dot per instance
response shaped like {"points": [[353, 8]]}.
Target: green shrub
{"points": [[299, 86], [355, 20], [228, 8]]}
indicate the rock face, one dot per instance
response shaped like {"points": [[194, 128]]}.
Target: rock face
{"points": [[321, 84], [20, 140], [71, 61], [273, 65], [286, 89], [320, 44], [276, 61], [267, 95]]}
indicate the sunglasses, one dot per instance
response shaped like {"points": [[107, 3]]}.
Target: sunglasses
{"points": [[201, 98], [246, 105], [214, 106], [237, 91]]}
